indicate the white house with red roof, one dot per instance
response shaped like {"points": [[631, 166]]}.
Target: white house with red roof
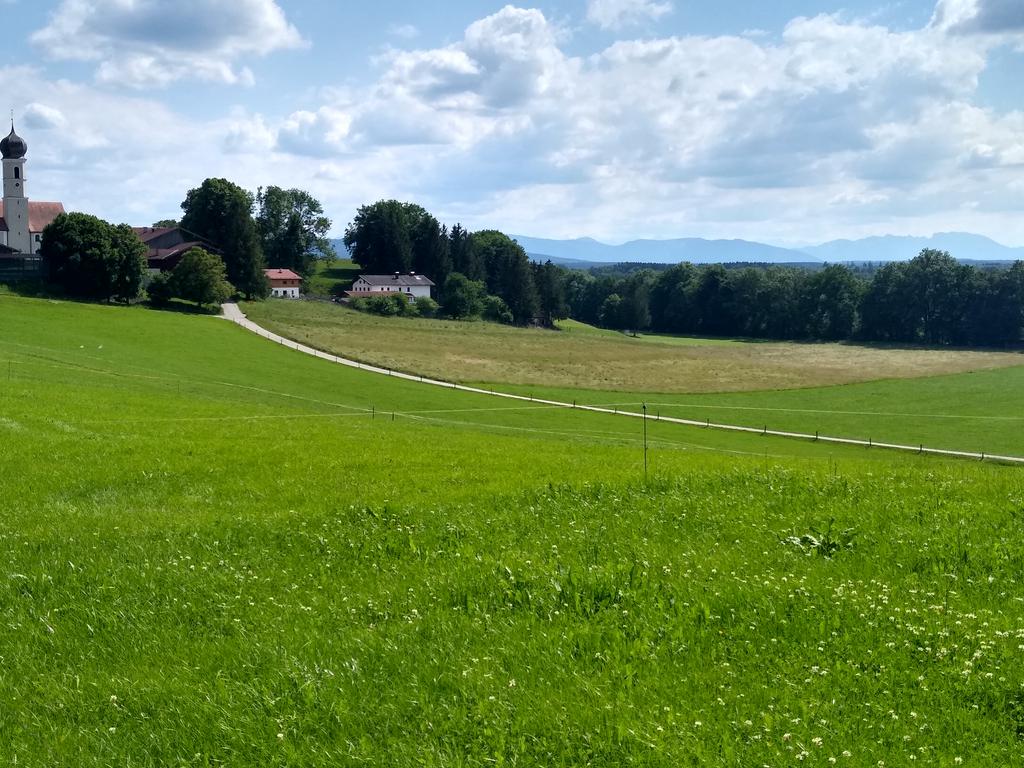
{"points": [[21, 222], [284, 284]]}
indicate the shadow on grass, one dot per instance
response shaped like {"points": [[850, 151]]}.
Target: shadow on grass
{"points": [[183, 308], [38, 289], [34, 288]]}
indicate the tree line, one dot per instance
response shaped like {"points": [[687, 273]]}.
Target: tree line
{"points": [[274, 228], [478, 274], [931, 299]]}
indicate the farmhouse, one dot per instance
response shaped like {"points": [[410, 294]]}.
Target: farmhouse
{"points": [[412, 285], [21, 222], [284, 283], [166, 245]]}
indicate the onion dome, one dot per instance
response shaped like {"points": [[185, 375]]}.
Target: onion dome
{"points": [[13, 147]]}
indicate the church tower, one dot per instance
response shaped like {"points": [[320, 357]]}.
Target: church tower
{"points": [[13, 149]]}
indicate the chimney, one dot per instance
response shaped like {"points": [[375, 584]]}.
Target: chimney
{"points": [[397, 275]]}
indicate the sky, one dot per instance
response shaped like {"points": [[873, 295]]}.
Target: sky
{"points": [[791, 123]]}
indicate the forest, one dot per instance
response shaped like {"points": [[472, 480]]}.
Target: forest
{"points": [[931, 299]]}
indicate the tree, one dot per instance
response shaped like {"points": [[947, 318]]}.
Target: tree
{"points": [[171, 223], [712, 299], [935, 284], [997, 316], [611, 313], [221, 212], [635, 313], [379, 238], [91, 258], [426, 306], [496, 310], [130, 262], [550, 282], [464, 256], [828, 303], [200, 277], [462, 297], [430, 248], [159, 290], [293, 229], [670, 308], [509, 274], [885, 314]]}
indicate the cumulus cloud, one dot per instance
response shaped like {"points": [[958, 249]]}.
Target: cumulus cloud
{"points": [[156, 42], [990, 17], [835, 128], [42, 117], [318, 134], [616, 14]]}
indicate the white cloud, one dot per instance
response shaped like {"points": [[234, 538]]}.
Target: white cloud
{"points": [[42, 117], [990, 17], [318, 134], [156, 42], [616, 14], [836, 128]]}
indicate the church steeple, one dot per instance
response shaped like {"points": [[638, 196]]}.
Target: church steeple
{"points": [[13, 150], [13, 147]]}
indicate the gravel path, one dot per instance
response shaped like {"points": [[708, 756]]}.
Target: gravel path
{"points": [[233, 313]]}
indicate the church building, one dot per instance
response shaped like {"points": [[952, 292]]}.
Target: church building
{"points": [[21, 222]]}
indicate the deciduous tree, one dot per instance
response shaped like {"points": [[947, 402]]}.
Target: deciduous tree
{"points": [[221, 212], [293, 229], [90, 258]]}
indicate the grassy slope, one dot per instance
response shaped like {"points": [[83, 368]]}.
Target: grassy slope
{"points": [[209, 561], [979, 411], [588, 359], [332, 278]]}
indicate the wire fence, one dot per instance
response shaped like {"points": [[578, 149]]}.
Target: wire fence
{"points": [[234, 314]]}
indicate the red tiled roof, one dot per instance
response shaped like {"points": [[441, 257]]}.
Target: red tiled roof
{"points": [[39, 215], [281, 274]]}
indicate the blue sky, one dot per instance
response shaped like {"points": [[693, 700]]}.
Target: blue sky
{"points": [[790, 123]]}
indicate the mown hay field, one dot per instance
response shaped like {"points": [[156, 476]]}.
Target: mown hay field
{"points": [[581, 357], [218, 551]]}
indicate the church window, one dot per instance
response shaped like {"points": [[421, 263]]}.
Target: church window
{"points": [[17, 173]]}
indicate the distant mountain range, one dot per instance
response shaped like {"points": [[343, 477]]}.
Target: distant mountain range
{"points": [[961, 245], [692, 249], [587, 252]]}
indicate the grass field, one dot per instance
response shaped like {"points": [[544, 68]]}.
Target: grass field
{"points": [[585, 358], [980, 412], [332, 278], [214, 555]]}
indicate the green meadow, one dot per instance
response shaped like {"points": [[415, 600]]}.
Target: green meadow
{"points": [[951, 399], [980, 411], [218, 551], [581, 357]]}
